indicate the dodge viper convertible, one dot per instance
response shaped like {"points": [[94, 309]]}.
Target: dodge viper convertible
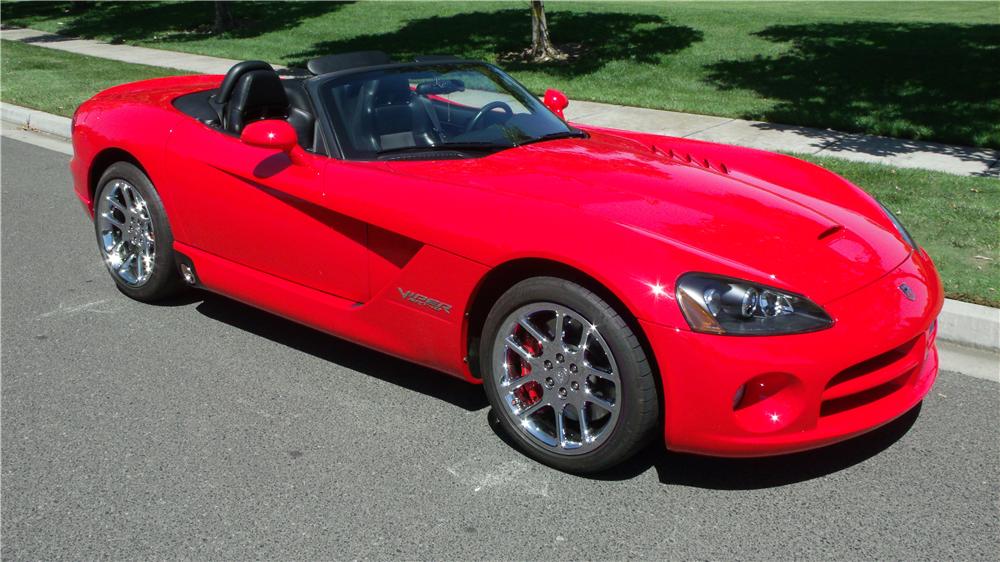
{"points": [[606, 287]]}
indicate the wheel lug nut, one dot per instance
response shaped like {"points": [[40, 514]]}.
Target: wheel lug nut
{"points": [[547, 364], [574, 385], [549, 382], [573, 368], [559, 357], [562, 392]]}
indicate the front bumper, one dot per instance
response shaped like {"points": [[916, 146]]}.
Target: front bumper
{"points": [[806, 390]]}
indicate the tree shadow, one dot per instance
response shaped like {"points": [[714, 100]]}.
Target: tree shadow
{"points": [[493, 36], [906, 80], [341, 352], [175, 22], [837, 144]]}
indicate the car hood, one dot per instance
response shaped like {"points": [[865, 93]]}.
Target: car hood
{"points": [[773, 233]]}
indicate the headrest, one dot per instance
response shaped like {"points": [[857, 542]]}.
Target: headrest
{"points": [[234, 75], [259, 88], [392, 89]]}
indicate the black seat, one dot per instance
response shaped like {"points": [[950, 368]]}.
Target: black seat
{"points": [[250, 91], [233, 76], [300, 114], [396, 119], [219, 98], [258, 94]]}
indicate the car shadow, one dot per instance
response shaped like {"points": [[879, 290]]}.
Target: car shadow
{"points": [[768, 472], [716, 473], [341, 352], [672, 468], [184, 298]]}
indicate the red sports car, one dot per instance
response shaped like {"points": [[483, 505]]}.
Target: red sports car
{"points": [[604, 286]]}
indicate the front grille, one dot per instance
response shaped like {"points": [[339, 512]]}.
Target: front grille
{"points": [[873, 379]]}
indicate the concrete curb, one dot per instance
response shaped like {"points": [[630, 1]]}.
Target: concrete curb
{"points": [[965, 324], [38, 120], [971, 325]]}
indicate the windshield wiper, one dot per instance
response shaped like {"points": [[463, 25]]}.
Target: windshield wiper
{"points": [[448, 146], [570, 134], [474, 145]]}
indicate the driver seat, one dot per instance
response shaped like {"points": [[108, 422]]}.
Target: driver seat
{"points": [[258, 95], [250, 91]]}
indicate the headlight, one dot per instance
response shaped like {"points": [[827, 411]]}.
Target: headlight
{"points": [[899, 227], [721, 305]]}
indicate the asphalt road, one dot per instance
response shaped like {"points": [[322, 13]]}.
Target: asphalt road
{"points": [[206, 429]]}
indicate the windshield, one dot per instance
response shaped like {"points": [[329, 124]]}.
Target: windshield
{"points": [[436, 107]]}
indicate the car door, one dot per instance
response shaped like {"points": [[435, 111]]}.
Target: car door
{"points": [[254, 207]]}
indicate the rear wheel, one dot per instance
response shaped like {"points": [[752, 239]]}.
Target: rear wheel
{"points": [[133, 234], [567, 377]]}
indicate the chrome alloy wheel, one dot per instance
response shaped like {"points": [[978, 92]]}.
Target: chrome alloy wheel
{"points": [[125, 233], [557, 377]]}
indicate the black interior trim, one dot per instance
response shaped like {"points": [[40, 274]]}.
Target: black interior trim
{"points": [[436, 58], [197, 105], [344, 61]]}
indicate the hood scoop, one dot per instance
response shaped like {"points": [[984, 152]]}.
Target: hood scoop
{"points": [[688, 159]]}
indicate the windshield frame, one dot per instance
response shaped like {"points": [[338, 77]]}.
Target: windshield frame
{"points": [[317, 85]]}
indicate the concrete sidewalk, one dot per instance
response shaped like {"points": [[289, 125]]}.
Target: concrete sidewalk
{"points": [[125, 53], [901, 153], [768, 136]]}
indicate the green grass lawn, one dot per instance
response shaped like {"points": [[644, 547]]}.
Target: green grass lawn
{"points": [[905, 69], [956, 218], [57, 82]]}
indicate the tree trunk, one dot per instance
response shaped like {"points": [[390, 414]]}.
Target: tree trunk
{"points": [[223, 17], [541, 46]]}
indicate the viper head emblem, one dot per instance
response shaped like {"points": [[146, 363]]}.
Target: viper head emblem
{"points": [[907, 291]]}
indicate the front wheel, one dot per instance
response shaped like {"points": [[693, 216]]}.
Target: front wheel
{"points": [[567, 377], [133, 234]]}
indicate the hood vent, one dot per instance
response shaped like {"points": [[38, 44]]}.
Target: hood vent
{"points": [[689, 159], [831, 231]]}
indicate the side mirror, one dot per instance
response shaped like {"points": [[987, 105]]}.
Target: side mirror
{"points": [[556, 101], [276, 134]]}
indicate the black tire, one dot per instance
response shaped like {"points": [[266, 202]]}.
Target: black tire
{"points": [[638, 399], [165, 280]]}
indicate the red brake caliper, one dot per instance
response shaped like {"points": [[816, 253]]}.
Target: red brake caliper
{"points": [[529, 393]]}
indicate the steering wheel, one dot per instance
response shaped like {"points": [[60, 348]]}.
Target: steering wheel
{"points": [[474, 124]]}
